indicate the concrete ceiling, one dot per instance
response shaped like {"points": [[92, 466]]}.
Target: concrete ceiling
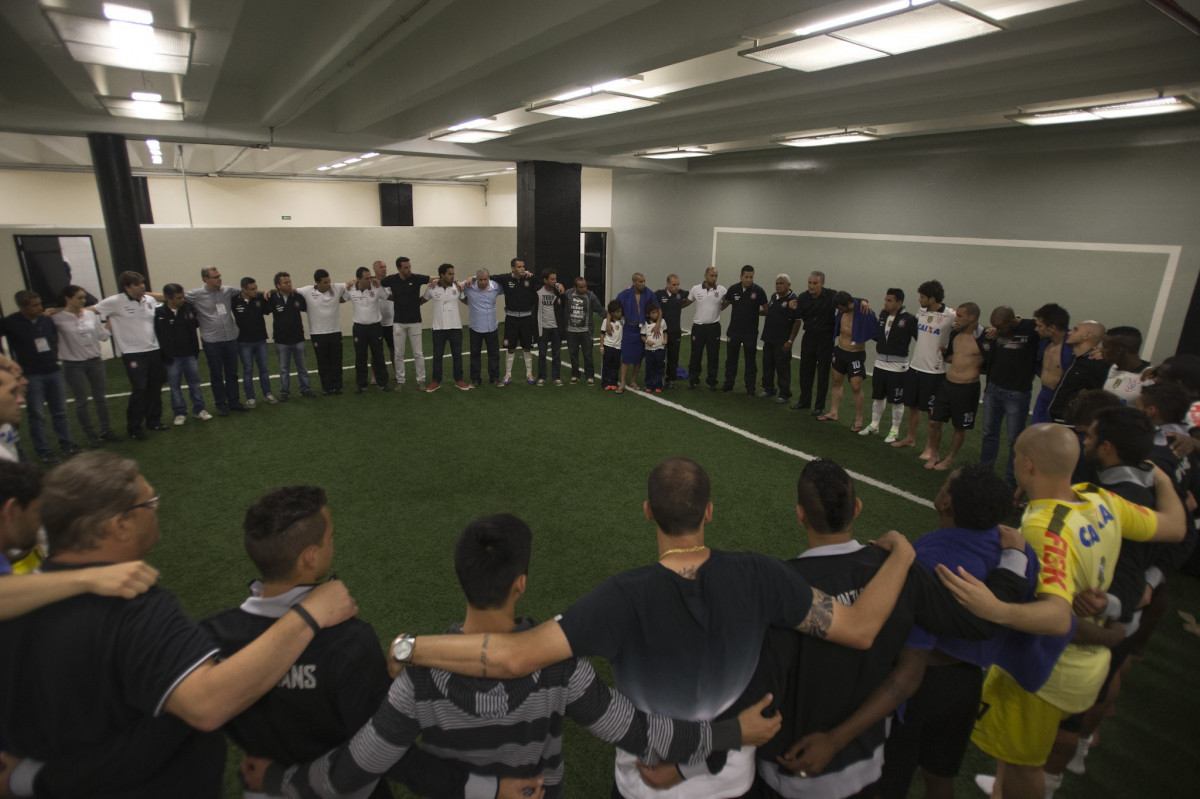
{"points": [[282, 87]]}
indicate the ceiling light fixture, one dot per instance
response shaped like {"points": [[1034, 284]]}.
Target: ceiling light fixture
{"points": [[322, 168], [695, 151], [592, 103], [146, 97], [468, 135], [126, 39], [142, 109], [474, 123], [368, 155], [823, 139], [1093, 113], [898, 27]]}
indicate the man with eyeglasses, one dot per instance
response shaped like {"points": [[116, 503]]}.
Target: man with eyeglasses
{"points": [[128, 695]]}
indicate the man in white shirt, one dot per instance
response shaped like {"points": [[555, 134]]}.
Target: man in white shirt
{"points": [[444, 296], [365, 294], [387, 311], [706, 327], [325, 327], [131, 314]]}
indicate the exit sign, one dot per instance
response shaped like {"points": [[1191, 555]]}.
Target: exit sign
{"points": [[285, 217]]}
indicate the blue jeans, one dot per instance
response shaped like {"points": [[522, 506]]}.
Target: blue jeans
{"points": [[177, 370], [222, 359], [1002, 405], [253, 352], [286, 353], [49, 389]]}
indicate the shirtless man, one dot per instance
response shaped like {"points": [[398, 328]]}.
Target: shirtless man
{"points": [[957, 399], [1053, 321], [855, 324]]}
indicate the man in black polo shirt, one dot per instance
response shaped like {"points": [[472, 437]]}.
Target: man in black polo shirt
{"points": [[175, 326], [288, 327], [520, 302], [897, 329], [747, 299], [815, 309], [34, 342], [671, 300], [407, 298], [94, 674], [683, 634], [779, 333], [1009, 389], [250, 311]]}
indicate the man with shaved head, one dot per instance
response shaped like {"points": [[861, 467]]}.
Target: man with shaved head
{"points": [[1076, 532], [1010, 371], [1084, 371]]}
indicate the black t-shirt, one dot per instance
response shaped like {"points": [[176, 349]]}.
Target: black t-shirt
{"points": [[251, 317], [816, 312], [672, 307], [686, 648], [286, 321], [744, 304], [520, 293], [1014, 358], [83, 673], [406, 297], [176, 332], [34, 343], [777, 325]]}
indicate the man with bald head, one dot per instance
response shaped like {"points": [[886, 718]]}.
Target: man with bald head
{"points": [[634, 302], [1084, 372], [706, 327], [1076, 532], [1010, 371]]}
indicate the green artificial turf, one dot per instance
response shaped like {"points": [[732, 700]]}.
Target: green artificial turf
{"points": [[405, 472]]}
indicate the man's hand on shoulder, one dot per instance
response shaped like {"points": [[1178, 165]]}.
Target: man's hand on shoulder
{"points": [[521, 788], [757, 726], [660, 777], [330, 604], [1011, 538], [125, 580], [253, 769], [894, 541]]}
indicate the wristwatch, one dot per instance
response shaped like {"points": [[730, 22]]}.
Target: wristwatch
{"points": [[402, 648]]}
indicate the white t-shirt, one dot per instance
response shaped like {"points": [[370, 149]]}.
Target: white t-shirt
{"points": [[323, 313], [79, 337], [613, 337], [1126, 386], [708, 303], [366, 305], [132, 322], [654, 338], [933, 334], [444, 300]]}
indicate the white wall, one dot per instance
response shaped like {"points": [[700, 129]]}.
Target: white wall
{"points": [[49, 198], [244, 202], [449, 206]]}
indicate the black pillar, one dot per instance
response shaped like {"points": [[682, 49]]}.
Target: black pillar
{"points": [[395, 204], [119, 201], [548, 217]]}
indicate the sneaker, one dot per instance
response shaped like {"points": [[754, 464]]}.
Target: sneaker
{"points": [[157, 427], [504, 382], [251, 404], [461, 386], [656, 391], [136, 435], [179, 420], [398, 388], [986, 783], [1053, 783], [308, 394], [541, 382], [420, 385], [781, 400], [574, 380], [529, 379], [591, 381], [558, 383], [359, 389], [237, 406], [869, 430], [892, 437], [1077, 766], [108, 435], [204, 415], [71, 449], [764, 393], [222, 412], [434, 386], [284, 397], [270, 398]]}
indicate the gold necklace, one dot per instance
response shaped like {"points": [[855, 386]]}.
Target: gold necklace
{"points": [[682, 551]]}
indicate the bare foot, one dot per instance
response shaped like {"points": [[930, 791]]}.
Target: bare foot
{"points": [[905, 442], [926, 455], [931, 463], [944, 465]]}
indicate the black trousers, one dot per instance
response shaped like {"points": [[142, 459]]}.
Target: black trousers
{"points": [[733, 349], [706, 339], [492, 340], [673, 337], [581, 342], [816, 354], [145, 372], [440, 339], [328, 347], [777, 368], [369, 337]]}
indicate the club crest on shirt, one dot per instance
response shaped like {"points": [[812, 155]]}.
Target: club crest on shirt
{"points": [[900, 323], [754, 295]]}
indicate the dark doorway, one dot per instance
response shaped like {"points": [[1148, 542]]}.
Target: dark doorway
{"points": [[594, 261], [51, 263]]}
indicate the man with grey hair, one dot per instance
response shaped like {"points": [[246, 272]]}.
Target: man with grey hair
{"points": [[779, 333], [480, 296], [213, 303], [142, 656]]}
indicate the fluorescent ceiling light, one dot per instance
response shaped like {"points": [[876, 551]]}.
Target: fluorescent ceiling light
{"points": [[369, 155], [335, 166], [595, 104], [909, 25], [322, 168], [1137, 108], [822, 140], [1006, 9], [140, 109], [676, 152], [147, 97], [571, 95], [468, 136], [153, 144], [854, 16], [127, 14], [352, 160], [124, 44], [156, 159], [474, 123]]}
